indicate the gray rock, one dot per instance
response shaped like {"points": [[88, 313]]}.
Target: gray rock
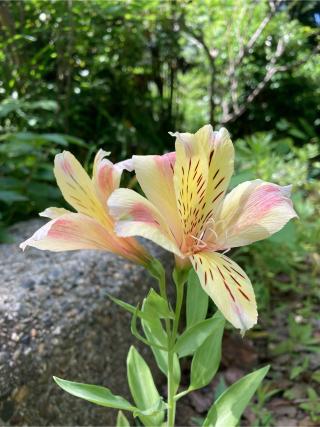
{"points": [[56, 319]]}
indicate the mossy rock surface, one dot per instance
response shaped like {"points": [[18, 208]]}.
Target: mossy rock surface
{"points": [[56, 319]]}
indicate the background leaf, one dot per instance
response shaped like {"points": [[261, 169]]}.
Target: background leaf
{"points": [[206, 359], [228, 408], [193, 337], [196, 301]]}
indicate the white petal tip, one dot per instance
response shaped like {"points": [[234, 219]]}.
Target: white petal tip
{"points": [[174, 134], [127, 165], [23, 245], [103, 153]]}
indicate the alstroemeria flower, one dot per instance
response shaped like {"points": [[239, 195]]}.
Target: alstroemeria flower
{"points": [[91, 226], [187, 213]]}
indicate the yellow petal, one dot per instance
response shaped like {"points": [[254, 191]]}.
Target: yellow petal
{"points": [[155, 176], [229, 287], [220, 157], [136, 216], [253, 211], [203, 169], [190, 182], [78, 189]]}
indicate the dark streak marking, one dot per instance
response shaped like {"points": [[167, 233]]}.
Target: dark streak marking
{"points": [[221, 274], [228, 289], [219, 183], [71, 186], [239, 284], [210, 157], [246, 296], [202, 194], [217, 197], [195, 170], [241, 275], [215, 174]]}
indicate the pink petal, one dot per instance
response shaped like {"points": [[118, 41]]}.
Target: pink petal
{"points": [[136, 216], [253, 211], [106, 176], [155, 176], [75, 231]]}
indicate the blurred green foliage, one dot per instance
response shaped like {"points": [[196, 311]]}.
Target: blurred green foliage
{"points": [[121, 74], [278, 160]]}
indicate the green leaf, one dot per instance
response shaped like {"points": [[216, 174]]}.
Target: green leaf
{"points": [[122, 420], [156, 269], [130, 308], [9, 196], [286, 236], [7, 107], [135, 332], [154, 332], [158, 305], [96, 394], [143, 389], [206, 359], [56, 138], [242, 176], [228, 408], [62, 139], [39, 190], [43, 104], [193, 337], [197, 300]]}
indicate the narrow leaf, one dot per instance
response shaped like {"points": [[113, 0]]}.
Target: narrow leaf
{"points": [[143, 389], [96, 394], [131, 308], [193, 337], [197, 300], [206, 359], [228, 408], [122, 420]]}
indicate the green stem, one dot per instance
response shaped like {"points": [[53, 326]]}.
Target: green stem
{"points": [[163, 293], [182, 393], [179, 277], [179, 282]]}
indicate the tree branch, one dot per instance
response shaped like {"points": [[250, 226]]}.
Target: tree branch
{"points": [[255, 36], [271, 69]]}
